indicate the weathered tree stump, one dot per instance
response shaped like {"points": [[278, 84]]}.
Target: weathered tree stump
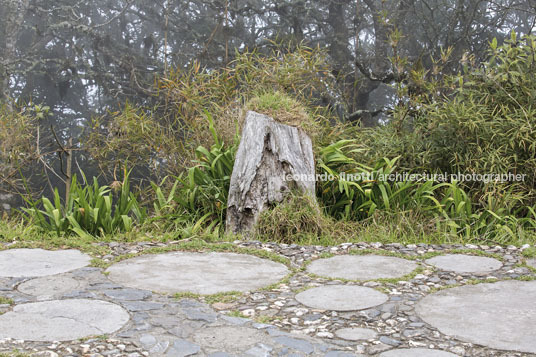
{"points": [[272, 160]]}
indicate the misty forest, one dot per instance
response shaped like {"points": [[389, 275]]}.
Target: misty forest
{"points": [[122, 119]]}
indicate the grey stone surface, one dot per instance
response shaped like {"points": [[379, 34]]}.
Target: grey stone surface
{"points": [[341, 297], [62, 320], [531, 262], [416, 352], [168, 320], [232, 339], [135, 306], [127, 294], [295, 343], [462, 263], [182, 348], [342, 354], [361, 267], [201, 273], [390, 341], [260, 350], [500, 315], [39, 262], [356, 333], [49, 286]]}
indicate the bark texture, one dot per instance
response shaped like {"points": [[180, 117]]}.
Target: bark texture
{"points": [[269, 154]]}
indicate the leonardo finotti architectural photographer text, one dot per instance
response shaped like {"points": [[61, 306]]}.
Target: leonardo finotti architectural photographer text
{"points": [[404, 177]]}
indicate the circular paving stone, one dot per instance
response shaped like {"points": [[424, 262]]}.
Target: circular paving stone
{"points": [[19, 263], [341, 297], [461, 263], [531, 262], [200, 273], [361, 267], [417, 352], [48, 286], [356, 333], [62, 320], [499, 315]]}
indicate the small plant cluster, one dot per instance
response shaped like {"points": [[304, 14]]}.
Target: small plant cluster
{"points": [[88, 209]]}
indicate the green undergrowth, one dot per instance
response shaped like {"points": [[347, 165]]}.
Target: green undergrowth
{"points": [[529, 253], [21, 235]]}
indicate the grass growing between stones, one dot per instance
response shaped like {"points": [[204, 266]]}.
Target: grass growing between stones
{"points": [[476, 252], [265, 319], [236, 313], [14, 354], [225, 297], [198, 246], [6, 301]]}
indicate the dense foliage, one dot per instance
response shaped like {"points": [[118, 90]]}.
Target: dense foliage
{"points": [[480, 120]]}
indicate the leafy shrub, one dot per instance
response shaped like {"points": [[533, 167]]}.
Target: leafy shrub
{"points": [[493, 222], [202, 192], [18, 130], [358, 197], [488, 125], [89, 209], [483, 124], [139, 136]]}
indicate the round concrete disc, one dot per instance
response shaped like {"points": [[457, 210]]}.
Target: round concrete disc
{"points": [[49, 286], [200, 273], [62, 320], [417, 352], [341, 297], [20, 263], [461, 263], [486, 314], [356, 333], [361, 267]]}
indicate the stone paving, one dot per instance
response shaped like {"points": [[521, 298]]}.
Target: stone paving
{"points": [[329, 307]]}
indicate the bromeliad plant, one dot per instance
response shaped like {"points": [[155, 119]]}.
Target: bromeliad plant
{"points": [[203, 191], [89, 209], [350, 199]]}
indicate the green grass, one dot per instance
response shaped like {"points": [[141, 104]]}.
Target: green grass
{"points": [[14, 353], [236, 313], [264, 319], [6, 301], [225, 297], [396, 229], [198, 245], [529, 253]]}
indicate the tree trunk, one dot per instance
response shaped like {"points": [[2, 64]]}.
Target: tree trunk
{"points": [[272, 160]]}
